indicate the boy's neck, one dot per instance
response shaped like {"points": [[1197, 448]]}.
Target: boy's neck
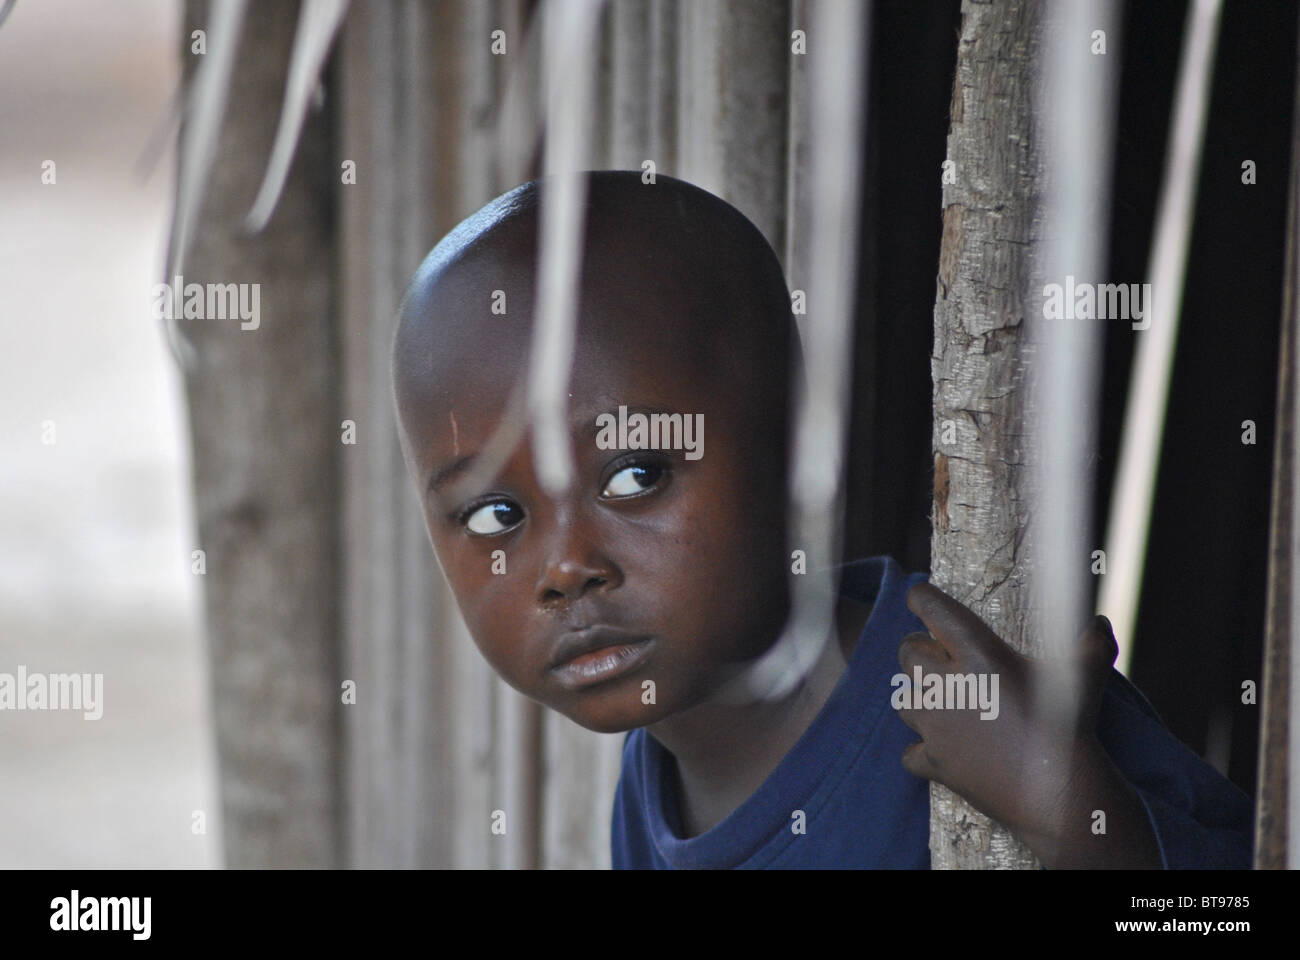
{"points": [[723, 752]]}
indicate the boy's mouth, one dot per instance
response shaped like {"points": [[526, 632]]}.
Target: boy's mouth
{"points": [[597, 653]]}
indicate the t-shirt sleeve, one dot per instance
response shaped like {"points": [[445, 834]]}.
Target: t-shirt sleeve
{"points": [[1200, 818]]}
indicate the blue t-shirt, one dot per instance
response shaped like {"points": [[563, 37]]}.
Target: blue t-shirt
{"points": [[862, 809]]}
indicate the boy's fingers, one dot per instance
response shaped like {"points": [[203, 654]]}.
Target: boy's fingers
{"points": [[950, 621], [917, 762], [913, 719], [921, 649], [1096, 652], [1098, 642]]}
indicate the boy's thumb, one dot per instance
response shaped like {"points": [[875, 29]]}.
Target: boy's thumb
{"points": [[1097, 653], [1099, 640]]}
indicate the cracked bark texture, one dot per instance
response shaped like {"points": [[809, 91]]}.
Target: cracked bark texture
{"points": [[987, 267]]}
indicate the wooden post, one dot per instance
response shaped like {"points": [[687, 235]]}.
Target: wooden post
{"points": [[983, 480], [263, 410]]}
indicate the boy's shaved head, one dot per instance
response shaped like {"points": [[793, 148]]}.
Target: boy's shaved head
{"points": [[676, 565], [647, 247]]}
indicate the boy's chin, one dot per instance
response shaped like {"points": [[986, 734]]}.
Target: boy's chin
{"points": [[610, 720]]}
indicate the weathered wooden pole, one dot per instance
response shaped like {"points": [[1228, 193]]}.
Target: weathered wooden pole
{"points": [[263, 408], [983, 479]]}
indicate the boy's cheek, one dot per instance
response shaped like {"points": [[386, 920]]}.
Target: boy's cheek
{"points": [[483, 595]]}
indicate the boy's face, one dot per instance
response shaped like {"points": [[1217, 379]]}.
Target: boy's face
{"points": [[672, 568]]}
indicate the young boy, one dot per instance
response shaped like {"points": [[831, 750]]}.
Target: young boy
{"points": [[664, 567]]}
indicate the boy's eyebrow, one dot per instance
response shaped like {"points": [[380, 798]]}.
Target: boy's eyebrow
{"points": [[589, 428], [450, 470]]}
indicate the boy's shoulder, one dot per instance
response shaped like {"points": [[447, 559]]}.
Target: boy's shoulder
{"points": [[882, 583], [851, 802]]}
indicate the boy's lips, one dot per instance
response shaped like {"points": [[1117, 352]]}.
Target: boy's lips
{"points": [[597, 653]]}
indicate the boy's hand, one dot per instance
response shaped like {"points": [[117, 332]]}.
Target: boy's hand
{"points": [[1043, 780]]}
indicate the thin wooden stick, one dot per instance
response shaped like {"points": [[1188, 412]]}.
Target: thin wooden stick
{"points": [[198, 148], [318, 24], [840, 42], [1130, 516], [1277, 797], [1076, 103]]}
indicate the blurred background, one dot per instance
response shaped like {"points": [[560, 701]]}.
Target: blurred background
{"points": [[96, 526], [316, 570]]}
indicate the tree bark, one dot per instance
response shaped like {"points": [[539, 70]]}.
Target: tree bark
{"points": [[983, 475]]}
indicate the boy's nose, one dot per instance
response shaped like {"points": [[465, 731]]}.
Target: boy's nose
{"points": [[566, 581], [575, 567]]}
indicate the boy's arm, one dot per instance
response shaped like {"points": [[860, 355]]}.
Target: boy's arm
{"points": [[1162, 805]]}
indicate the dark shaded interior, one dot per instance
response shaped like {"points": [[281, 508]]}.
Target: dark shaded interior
{"points": [[1200, 627]]}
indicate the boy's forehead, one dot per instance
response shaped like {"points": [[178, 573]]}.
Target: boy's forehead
{"points": [[681, 306], [636, 315]]}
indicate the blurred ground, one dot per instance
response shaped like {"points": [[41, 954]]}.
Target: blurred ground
{"points": [[95, 529]]}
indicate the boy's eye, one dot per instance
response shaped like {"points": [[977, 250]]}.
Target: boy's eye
{"points": [[495, 517], [632, 480]]}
